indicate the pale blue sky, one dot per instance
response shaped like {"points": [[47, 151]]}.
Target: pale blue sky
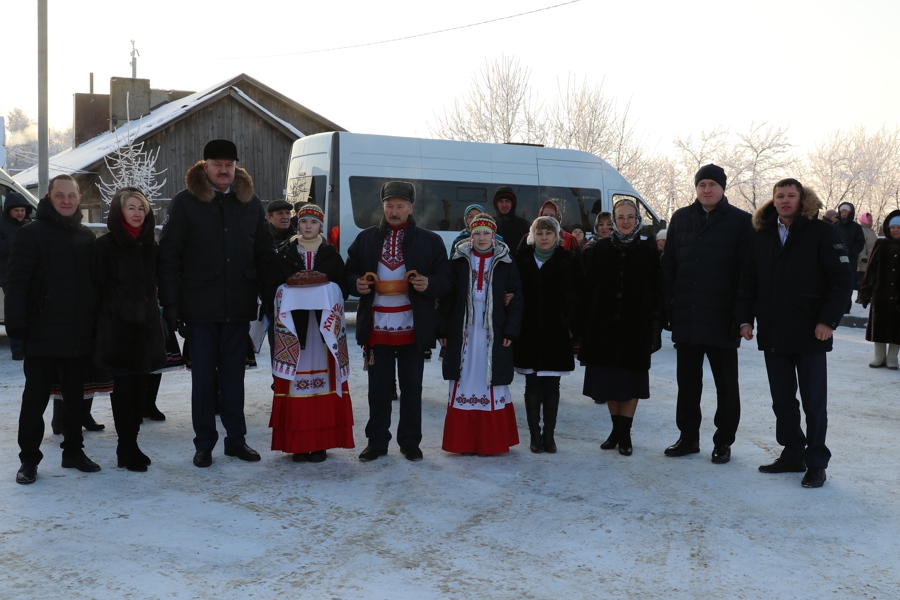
{"points": [[810, 66]]}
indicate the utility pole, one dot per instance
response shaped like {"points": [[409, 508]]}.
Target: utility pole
{"points": [[134, 55], [43, 113]]}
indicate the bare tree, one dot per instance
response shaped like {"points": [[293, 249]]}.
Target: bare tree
{"points": [[755, 161], [499, 108], [858, 167]]}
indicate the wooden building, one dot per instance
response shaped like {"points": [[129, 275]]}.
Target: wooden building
{"points": [[262, 122]]}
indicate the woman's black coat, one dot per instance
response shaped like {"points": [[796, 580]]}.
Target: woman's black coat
{"points": [[129, 334], [506, 321], [620, 304], [881, 287], [551, 304]]}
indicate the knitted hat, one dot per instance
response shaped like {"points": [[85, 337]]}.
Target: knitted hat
{"points": [[830, 214], [483, 221], [661, 234], [504, 192], [711, 171], [220, 149], [895, 222], [401, 190], [311, 211]]}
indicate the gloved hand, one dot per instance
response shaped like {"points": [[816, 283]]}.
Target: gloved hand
{"points": [[170, 316]]}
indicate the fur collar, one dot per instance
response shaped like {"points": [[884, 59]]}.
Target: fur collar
{"points": [[810, 210], [197, 183]]}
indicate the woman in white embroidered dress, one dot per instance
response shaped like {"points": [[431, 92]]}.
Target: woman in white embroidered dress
{"points": [[479, 320], [311, 410]]}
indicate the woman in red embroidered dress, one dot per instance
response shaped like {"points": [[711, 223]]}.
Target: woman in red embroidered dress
{"points": [[311, 410], [477, 329]]}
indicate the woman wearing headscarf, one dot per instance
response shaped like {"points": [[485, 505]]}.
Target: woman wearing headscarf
{"points": [[129, 337], [880, 286], [603, 228], [620, 306], [477, 329], [551, 280]]}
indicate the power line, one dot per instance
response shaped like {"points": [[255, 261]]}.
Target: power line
{"points": [[390, 41]]}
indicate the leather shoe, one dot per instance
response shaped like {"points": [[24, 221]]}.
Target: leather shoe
{"points": [[243, 452], [317, 456], [721, 454], [371, 453], [26, 474], [814, 478], [782, 465], [80, 462], [683, 447], [203, 458], [411, 453]]}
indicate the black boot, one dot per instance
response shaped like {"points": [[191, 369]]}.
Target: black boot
{"points": [[613, 440], [58, 422], [624, 437], [533, 413], [88, 421], [150, 409], [551, 408]]}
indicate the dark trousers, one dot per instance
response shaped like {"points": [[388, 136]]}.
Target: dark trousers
{"points": [[409, 363], [689, 372], [127, 399], [809, 372], [39, 375], [218, 356]]}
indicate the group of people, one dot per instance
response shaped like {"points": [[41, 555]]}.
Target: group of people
{"points": [[511, 297]]}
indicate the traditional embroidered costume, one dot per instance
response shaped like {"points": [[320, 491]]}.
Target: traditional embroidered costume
{"points": [[311, 409], [480, 415]]}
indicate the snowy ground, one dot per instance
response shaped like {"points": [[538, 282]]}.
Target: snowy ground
{"points": [[583, 523]]}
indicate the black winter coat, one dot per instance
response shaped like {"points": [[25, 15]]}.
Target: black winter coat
{"points": [[288, 261], [880, 287], [851, 233], [50, 298], [704, 264], [129, 334], [214, 250], [797, 286], [8, 229], [424, 252], [620, 304], [551, 305], [506, 321]]}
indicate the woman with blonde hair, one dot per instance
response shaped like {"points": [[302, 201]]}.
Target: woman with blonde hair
{"points": [[129, 336]]}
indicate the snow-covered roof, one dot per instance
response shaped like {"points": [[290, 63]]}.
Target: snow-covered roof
{"points": [[75, 160]]}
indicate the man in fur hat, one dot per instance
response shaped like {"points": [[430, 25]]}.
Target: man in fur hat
{"points": [[705, 261], [213, 254], [799, 285], [395, 327]]}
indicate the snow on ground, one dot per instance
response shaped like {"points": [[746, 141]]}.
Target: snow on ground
{"points": [[583, 523]]}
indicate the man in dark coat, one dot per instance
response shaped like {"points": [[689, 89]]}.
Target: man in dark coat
{"points": [[278, 215], [16, 211], [706, 259], [50, 305], [851, 233], [511, 227], [800, 282], [214, 252], [395, 327]]}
